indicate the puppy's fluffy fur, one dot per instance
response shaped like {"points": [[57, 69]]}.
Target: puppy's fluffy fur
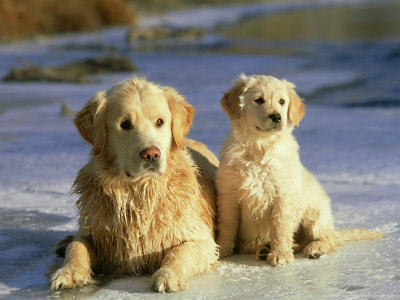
{"points": [[266, 197], [150, 211]]}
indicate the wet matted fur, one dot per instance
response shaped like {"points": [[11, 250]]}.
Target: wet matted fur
{"points": [[146, 196], [266, 197]]}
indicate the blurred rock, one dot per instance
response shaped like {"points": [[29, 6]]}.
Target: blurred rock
{"points": [[151, 34], [90, 46], [76, 72]]}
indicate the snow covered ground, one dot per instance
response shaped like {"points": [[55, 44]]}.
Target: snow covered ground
{"points": [[353, 151]]}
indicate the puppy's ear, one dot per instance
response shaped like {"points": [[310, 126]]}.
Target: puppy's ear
{"points": [[90, 122], [297, 109], [230, 102], [182, 116]]}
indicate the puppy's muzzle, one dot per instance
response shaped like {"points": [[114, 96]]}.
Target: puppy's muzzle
{"points": [[150, 154], [276, 118]]}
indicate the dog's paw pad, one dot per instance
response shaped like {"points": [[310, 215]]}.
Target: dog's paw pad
{"points": [[66, 277], [166, 281], [263, 252], [279, 258]]}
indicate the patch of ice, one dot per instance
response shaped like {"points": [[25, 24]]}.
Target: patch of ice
{"points": [[5, 289]]}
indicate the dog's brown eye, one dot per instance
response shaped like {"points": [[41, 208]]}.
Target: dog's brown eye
{"points": [[160, 122], [126, 125], [281, 101], [259, 101]]}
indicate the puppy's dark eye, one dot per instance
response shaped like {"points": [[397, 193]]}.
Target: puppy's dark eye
{"points": [[159, 123], [281, 102], [259, 101], [126, 125]]}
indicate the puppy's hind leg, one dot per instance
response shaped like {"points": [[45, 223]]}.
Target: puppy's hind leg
{"points": [[77, 267], [322, 245], [299, 243], [318, 228], [228, 214]]}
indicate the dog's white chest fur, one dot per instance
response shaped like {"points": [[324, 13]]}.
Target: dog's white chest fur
{"points": [[258, 185], [255, 190], [259, 171]]}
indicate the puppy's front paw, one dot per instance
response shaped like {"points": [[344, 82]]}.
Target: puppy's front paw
{"points": [[167, 281], [69, 277], [225, 248], [279, 258]]}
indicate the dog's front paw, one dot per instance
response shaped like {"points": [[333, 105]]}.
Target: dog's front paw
{"points": [[279, 258], [166, 280], [69, 277]]}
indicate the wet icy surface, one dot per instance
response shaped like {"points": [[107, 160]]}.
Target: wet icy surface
{"points": [[353, 151]]}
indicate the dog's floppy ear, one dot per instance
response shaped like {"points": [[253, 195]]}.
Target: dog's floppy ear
{"points": [[297, 109], [182, 116], [90, 122], [230, 102]]}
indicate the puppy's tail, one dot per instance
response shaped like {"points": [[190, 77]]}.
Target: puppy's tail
{"points": [[357, 234]]}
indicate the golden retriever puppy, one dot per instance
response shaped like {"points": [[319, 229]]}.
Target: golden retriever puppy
{"points": [[266, 197], [146, 201]]}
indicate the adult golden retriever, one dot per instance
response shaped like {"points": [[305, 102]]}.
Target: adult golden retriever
{"points": [[146, 201], [266, 197]]}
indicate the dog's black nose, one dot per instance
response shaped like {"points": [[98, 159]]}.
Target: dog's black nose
{"points": [[150, 154], [275, 117]]}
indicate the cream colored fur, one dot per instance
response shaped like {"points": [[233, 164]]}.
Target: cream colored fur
{"points": [[139, 216], [266, 197]]}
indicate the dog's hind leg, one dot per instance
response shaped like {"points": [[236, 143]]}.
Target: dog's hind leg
{"points": [[322, 245], [62, 245], [319, 232], [299, 243]]}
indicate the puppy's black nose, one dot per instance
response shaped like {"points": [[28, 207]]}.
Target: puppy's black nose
{"points": [[275, 117], [150, 154]]}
